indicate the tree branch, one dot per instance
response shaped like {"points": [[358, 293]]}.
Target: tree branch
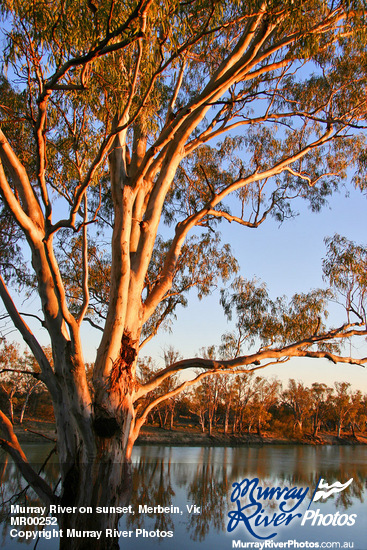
{"points": [[102, 48], [11, 445], [296, 349], [93, 324], [85, 267], [36, 375], [20, 179], [182, 228], [47, 375]]}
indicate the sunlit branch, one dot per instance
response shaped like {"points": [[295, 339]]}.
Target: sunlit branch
{"points": [[41, 155], [210, 93], [39, 123], [166, 135], [59, 290], [243, 71], [329, 23], [177, 88], [126, 110], [85, 267], [296, 349], [332, 357], [28, 336], [31, 212], [307, 178], [212, 133], [11, 445], [141, 419], [230, 218], [172, 128], [182, 229]]}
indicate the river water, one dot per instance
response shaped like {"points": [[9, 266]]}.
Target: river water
{"points": [[245, 496]]}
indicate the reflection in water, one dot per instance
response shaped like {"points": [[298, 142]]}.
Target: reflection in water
{"points": [[152, 486], [209, 489], [181, 477]]}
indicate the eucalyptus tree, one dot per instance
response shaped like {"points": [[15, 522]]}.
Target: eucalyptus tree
{"points": [[342, 405], [110, 115], [257, 412], [298, 398], [320, 396], [10, 380]]}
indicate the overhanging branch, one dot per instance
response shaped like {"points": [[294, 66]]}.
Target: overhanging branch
{"points": [[296, 349], [140, 421]]}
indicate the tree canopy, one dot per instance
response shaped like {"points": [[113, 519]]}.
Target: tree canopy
{"points": [[129, 131]]}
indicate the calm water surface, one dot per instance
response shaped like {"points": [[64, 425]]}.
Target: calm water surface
{"points": [[185, 476]]}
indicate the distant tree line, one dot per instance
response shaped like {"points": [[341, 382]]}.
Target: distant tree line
{"points": [[229, 403], [22, 394], [245, 403]]}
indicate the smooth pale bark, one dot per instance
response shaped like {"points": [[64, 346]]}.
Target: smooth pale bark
{"points": [[97, 429], [28, 394]]}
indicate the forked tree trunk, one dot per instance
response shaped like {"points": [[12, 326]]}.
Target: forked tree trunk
{"points": [[94, 453], [101, 480]]}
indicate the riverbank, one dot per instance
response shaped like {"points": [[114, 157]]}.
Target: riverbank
{"points": [[33, 431], [157, 436]]}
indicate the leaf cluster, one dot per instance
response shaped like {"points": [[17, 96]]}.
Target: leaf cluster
{"points": [[345, 267], [274, 322]]}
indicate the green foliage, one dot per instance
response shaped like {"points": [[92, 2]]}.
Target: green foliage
{"points": [[274, 322], [12, 266], [345, 268]]}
